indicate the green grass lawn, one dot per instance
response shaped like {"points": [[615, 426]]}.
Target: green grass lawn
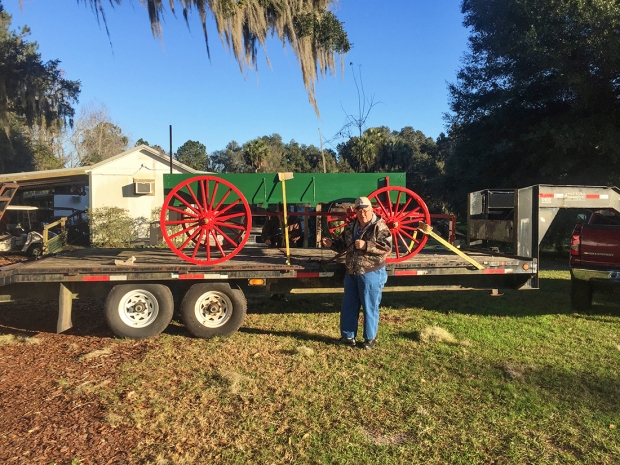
{"points": [[523, 380]]}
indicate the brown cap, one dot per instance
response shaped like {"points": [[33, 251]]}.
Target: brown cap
{"points": [[362, 202]]}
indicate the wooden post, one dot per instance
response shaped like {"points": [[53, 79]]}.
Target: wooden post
{"points": [[305, 228], [65, 301], [319, 226]]}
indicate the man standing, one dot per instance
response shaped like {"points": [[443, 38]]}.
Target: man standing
{"points": [[367, 242]]}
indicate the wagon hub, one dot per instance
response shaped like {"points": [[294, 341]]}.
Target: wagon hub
{"points": [[205, 218]]}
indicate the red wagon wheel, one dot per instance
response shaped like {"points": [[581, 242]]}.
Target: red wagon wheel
{"points": [[203, 218], [402, 210]]}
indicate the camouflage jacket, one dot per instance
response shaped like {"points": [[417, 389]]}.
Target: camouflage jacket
{"points": [[378, 245]]}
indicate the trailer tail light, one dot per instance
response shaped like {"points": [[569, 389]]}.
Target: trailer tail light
{"points": [[575, 241]]}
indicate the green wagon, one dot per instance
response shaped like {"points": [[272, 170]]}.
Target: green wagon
{"points": [[207, 219]]}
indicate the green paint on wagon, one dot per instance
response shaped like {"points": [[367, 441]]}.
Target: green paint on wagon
{"points": [[304, 189]]}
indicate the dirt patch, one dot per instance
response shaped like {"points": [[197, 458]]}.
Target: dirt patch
{"points": [[50, 392]]}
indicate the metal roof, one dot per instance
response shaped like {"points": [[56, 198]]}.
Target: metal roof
{"points": [[47, 179]]}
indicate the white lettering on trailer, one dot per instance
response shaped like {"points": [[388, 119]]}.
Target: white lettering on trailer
{"points": [[199, 276], [575, 196], [118, 277], [410, 272]]}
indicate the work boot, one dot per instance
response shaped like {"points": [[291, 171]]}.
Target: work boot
{"points": [[346, 341], [369, 343]]}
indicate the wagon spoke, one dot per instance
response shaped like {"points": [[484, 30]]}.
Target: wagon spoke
{"points": [[395, 240], [184, 212], [202, 233], [398, 203], [188, 205], [230, 225], [404, 233], [219, 204], [387, 214], [178, 222], [184, 231], [217, 243], [189, 239], [225, 236], [228, 217], [189, 188], [204, 186], [225, 209]]}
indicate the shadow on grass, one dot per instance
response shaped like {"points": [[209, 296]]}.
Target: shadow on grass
{"points": [[581, 390], [32, 317], [553, 297], [299, 335], [295, 303]]}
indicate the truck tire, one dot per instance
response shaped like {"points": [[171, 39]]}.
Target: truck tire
{"points": [[580, 295], [213, 309], [139, 311]]}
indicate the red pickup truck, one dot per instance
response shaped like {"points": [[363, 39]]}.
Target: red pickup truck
{"points": [[595, 257]]}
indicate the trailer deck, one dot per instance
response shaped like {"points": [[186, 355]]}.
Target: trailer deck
{"points": [[92, 265]]}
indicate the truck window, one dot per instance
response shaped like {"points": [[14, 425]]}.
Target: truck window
{"points": [[605, 217]]}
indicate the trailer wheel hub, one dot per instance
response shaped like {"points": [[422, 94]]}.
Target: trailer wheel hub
{"points": [[213, 309], [138, 308]]}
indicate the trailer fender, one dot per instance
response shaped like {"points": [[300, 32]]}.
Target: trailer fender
{"points": [[213, 309], [139, 311]]}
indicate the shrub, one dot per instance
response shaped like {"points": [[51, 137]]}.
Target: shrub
{"points": [[111, 227]]}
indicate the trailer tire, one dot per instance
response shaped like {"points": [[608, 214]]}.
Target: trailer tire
{"points": [[580, 294], [139, 311], [213, 309]]}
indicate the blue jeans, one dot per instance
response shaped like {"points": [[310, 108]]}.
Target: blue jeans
{"points": [[362, 290]]}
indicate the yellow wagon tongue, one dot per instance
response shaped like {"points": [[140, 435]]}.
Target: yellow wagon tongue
{"points": [[283, 177]]}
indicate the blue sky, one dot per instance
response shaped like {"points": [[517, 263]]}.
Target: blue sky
{"points": [[408, 51]]}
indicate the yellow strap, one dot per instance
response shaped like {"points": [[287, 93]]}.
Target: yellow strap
{"points": [[426, 229]]}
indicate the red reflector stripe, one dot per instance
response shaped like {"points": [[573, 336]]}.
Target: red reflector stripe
{"points": [[593, 196], [308, 274], [95, 278], [191, 276], [406, 273], [499, 271]]}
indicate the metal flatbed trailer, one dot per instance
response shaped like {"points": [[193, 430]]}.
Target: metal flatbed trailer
{"points": [[143, 285]]}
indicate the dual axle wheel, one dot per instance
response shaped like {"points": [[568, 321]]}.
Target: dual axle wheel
{"points": [[139, 311], [206, 220]]}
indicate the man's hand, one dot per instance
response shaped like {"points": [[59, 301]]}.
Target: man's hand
{"points": [[326, 241], [360, 244], [267, 242]]}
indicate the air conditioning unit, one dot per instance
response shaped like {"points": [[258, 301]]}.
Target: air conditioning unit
{"points": [[143, 187]]}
